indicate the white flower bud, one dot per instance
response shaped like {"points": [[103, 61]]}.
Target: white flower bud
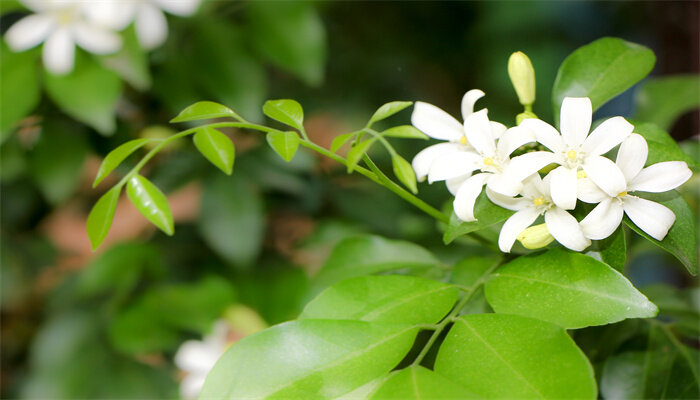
{"points": [[522, 75], [535, 237]]}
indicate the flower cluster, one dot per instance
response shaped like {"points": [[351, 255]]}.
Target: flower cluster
{"points": [[479, 153], [92, 25]]}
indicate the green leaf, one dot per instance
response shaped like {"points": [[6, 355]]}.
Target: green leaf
{"points": [[470, 271], [391, 299], [20, 91], [601, 70], [387, 110], [205, 110], [89, 94], [320, 359], [286, 111], [507, 356], [405, 132], [340, 140], [369, 254], [569, 289], [662, 100], [115, 157], [418, 383], [284, 143], [613, 249], [216, 147], [151, 203], [357, 151], [291, 36], [486, 214], [404, 171], [232, 220], [662, 147], [130, 62], [100, 218], [681, 240]]}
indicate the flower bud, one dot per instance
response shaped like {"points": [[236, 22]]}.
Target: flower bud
{"points": [[523, 116], [522, 75], [535, 237]]}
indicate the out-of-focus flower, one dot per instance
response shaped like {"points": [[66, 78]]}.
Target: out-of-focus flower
{"points": [[575, 149], [651, 217], [60, 25], [197, 358]]}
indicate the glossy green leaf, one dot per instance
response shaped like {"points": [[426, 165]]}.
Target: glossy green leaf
{"points": [[662, 100], [366, 255], [284, 143], [130, 62], [387, 110], [286, 111], [420, 383], [391, 299], [340, 140], [486, 214], [662, 147], [205, 110], [89, 94], [151, 203], [319, 359], [473, 270], [601, 70], [100, 218], [681, 239], [115, 158], [232, 220], [405, 132], [508, 356], [20, 91], [291, 36], [216, 147], [404, 171], [357, 151], [613, 249], [569, 289]]}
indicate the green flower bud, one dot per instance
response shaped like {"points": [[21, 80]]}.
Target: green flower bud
{"points": [[524, 115], [535, 237], [522, 75]]}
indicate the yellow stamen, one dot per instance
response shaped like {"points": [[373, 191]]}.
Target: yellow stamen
{"points": [[571, 154], [538, 201], [622, 194], [488, 160], [581, 174], [463, 140]]}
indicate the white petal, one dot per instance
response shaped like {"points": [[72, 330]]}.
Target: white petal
{"points": [[466, 196], [661, 177], [151, 26], [453, 184], [197, 356], [602, 221], [606, 174], [29, 31], [565, 229], [511, 203], [505, 184], [96, 40], [478, 131], [497, 129], [653, 218], [112, 14], [575, 122], [436, 123], [589, 192], [512, 139], [424, 159], [632, 156], [607, 135], [192, 385], [59, 52], [468, 102], [564, 187], [527, 164], [534, 187], [545, 134], [514, 225], [453, 165], [182, 8]]}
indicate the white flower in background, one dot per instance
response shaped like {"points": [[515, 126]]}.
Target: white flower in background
{"points": [[651, 217], [197, 358], [575, 149], [60, 25], [148, 17], [535, 201], [438, 124]]}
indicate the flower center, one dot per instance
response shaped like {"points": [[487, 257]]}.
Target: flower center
{"points": [[581, 174], [571, 154], [463, 140], [66, 15], [622, 194], [488, 161], [538, 201]]}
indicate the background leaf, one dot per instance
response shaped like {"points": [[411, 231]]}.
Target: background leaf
{"points": [[284, 143], [130, 62], [151, 203], [486, 214], [20, 91], [216, 147], [613, 249], [417, 383], [387, 110], [662, 147], [662, 100], [115, 157], [286, 111], [100, 218]]}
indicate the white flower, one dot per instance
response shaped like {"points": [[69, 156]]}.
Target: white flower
{"points": [[60, 24], [575, 149], [197, 358], [149, 20], [653, 218], [536, 201], [438, 124]]}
